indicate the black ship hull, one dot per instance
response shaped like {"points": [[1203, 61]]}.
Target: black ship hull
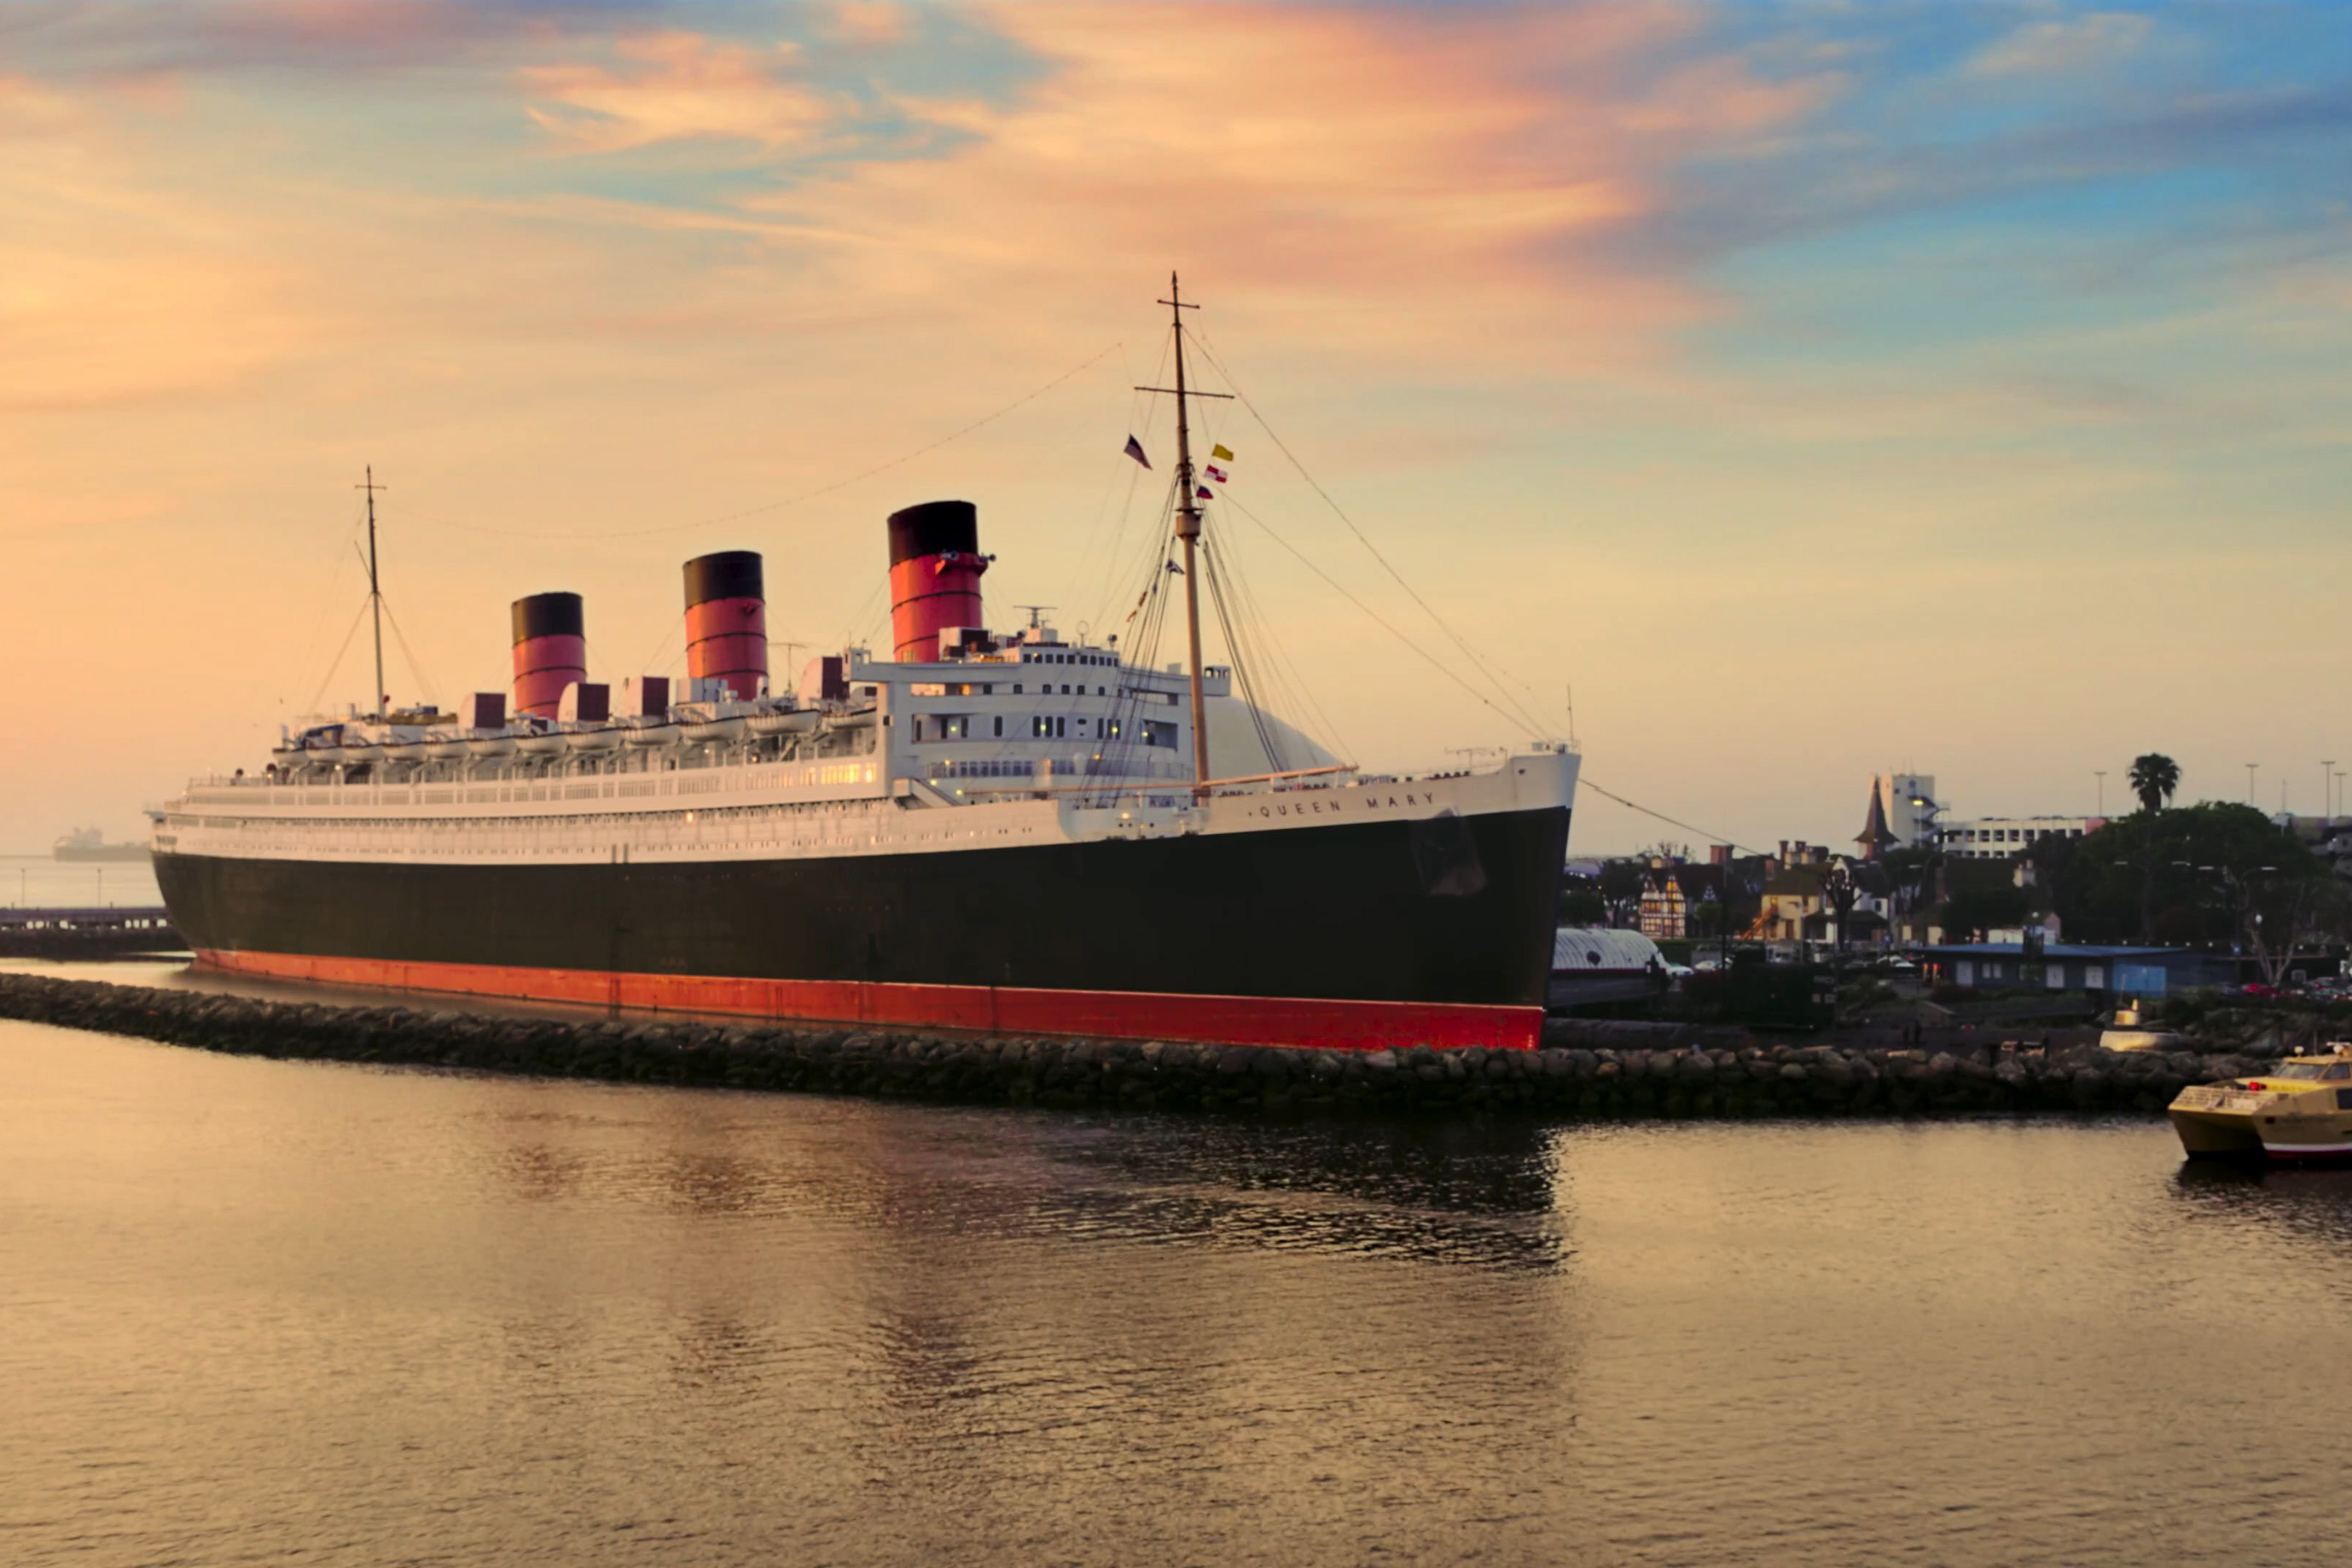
{"points": [[1363, 935]]}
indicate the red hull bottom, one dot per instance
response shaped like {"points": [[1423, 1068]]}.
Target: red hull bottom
{"points": [[1111, 1014]]}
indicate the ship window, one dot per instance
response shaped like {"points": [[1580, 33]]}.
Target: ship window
{"points": [[999, 723], [2343, 1069], [1016, 689], [1066, 689]]}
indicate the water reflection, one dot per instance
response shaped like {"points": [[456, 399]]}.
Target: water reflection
{"points": [[1466, 1195], [536, 1323], [2309, 1201]]}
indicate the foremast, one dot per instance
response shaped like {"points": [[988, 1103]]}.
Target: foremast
{"points": [[376, 593], [1188, 532]]}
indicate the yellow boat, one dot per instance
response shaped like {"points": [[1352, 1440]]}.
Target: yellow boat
{"points": [[2300, 1109]]}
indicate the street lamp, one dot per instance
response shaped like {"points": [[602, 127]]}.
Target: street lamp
{"points": [[2101, 775], [2326, 770], [2249, 781]]}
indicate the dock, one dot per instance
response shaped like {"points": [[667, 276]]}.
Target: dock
{"points": [[101, 931]]}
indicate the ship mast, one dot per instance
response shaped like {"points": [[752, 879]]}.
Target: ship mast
{"points": [[1188, 529], [375, 593]]}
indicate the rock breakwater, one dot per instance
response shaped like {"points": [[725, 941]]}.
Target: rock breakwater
{"points": [[1675, 1073]]}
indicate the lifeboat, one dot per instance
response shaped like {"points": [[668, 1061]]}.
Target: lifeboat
{"points": [[369, 752], [541, 743], [799, 722], [2299, 1110], [444, 748], [654, 735], [604, 738], [404, 751], [717, 732], [490, 746]]}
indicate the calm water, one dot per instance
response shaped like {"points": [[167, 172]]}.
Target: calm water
{"points": [[45, 882], [258, 1311]]}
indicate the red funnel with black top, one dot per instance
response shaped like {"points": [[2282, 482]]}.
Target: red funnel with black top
{"points": [[551, 651], [935, 567], [726, 621]]}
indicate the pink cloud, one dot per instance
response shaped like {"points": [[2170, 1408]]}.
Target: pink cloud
{"points": [[677, 87], [1449, 177]]}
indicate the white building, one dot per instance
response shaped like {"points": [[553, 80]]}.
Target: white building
{"points": [[1911, 807], [2007, 838]]}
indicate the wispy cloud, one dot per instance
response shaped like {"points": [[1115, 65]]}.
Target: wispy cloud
{"points": [[680, 86], [2063, 44]]}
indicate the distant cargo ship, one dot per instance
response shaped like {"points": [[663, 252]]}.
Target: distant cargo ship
{"points": [[999, 830], [87, 844]]}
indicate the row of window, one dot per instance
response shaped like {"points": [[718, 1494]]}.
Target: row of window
{"points": [[550, 819], [2007, 835], [1095, 658], [930, 727]]}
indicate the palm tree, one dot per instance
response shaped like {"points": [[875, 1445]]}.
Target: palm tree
{"points": [[2154, 777]]}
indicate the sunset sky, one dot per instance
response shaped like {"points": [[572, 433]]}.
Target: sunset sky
{"points": [[1817, 389]]}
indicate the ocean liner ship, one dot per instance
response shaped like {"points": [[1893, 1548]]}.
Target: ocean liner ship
{"points": [[1008, 831]]}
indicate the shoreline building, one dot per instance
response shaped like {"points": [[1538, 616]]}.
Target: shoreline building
{"points": [[1911, 808], [2007, 838]]}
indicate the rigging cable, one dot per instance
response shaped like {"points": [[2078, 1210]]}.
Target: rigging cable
{"points": [[1292, 689], [1583, 783], [329, 679], [1467, 652], [1375, 617], [414, 669], [1274, 760], [1140, 404]]}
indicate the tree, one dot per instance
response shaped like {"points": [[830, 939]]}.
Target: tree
{"points": [[1621, 890], [2169, 876], [1581, 904], [2154, 776], [1839, 895], [1971, 912]]}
